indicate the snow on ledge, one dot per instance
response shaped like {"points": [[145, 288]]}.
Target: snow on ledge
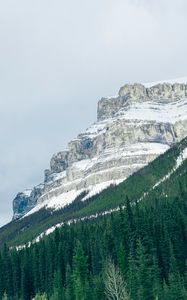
{"points": [[27, 192], [60, 201]]}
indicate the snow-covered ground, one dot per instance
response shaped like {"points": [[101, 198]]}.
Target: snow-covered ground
{"points": [[160, 111], [171, 112], [111, 154], [27, 192], [164, 112], [60, 201]]}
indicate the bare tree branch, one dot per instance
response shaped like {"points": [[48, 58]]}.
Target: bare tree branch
{"points": [[115, 286]]}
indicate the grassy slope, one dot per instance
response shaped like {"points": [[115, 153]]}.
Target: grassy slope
{"points": [[26, 229]]}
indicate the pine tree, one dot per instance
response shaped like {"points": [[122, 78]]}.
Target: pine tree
{"points": [[145, 289], [176, 284], [157, 284], [57, 287], [68, 284], [26, 283], [129, 214], [123, 259], [8, 274], [132, 279], [80, 273], [36, 270], [16, 273]]}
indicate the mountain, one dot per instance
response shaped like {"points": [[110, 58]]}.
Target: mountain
{"points": [[162, 178], [131, 130], [128, 242], [131, 235]]}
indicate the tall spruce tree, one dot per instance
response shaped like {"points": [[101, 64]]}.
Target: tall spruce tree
{"points": [[176, 283], [80, 273], [145, 288]]}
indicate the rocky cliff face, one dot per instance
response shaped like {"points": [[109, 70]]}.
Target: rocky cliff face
{"points": [[131, 130]]}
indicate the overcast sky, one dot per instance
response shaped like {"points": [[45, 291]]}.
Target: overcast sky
{"points": [[57, 58]]}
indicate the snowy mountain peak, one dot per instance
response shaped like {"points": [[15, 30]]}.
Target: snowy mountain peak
{"points": [[132, 129], [132, 94]]}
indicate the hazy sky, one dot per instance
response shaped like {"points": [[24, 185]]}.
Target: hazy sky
{"points": [[57, 58]]}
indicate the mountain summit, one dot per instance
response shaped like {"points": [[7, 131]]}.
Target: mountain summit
{"points": [[132, 129]]}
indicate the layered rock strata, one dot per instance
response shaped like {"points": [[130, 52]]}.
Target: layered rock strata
{"points": [[132, 129]]}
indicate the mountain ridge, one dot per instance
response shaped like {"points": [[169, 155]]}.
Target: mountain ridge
{"points": [[114, 147], [142, 186]]}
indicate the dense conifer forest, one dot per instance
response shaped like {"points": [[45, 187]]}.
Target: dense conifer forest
{"points": [[142, 249], [136, 253]]}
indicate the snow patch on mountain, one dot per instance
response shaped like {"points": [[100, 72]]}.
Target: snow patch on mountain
{"points": [[166, 112], [27, 192], [160, 112], [57, 199], [179, 162], [96, 189], [109, 154], [64, 199], [57, 202]]}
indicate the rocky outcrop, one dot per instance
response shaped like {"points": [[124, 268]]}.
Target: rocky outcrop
{"points": [[131, 130], [25, 201], [137, 93]]}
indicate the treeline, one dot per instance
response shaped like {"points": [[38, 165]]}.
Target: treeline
{"points": [[143, 247]]}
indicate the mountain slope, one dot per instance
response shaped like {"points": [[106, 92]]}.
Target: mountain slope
{"points": [[142, 248], [163, 177], [132, 129]]}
